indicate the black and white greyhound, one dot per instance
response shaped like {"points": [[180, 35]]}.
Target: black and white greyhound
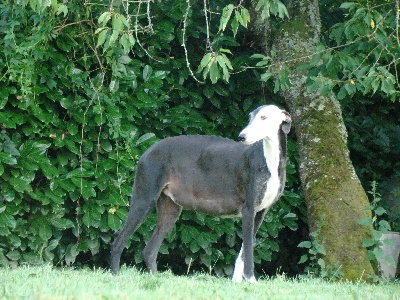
{"points": [[213, 175]]}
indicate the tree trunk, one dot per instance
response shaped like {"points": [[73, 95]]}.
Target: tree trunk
{"points": [[335, 198]]}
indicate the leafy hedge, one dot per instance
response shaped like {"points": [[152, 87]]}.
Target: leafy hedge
{"points": [[76, 115]]}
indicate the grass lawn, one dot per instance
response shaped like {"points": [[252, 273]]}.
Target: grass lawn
{"points": [[46, 282]]}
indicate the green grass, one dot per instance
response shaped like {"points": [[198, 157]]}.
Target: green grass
{"points": [[50, 283]]}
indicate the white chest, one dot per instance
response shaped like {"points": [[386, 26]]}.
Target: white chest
{"points": [[271, 154]]}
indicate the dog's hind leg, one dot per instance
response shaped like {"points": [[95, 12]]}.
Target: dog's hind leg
{"points": [[137, 215], [168, 214]]}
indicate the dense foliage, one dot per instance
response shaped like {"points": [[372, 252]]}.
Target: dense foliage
{"points": [[85, 89], [78, 108]]}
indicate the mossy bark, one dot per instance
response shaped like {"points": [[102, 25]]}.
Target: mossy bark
{"points": [[332, 189]]}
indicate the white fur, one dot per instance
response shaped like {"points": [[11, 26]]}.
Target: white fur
{"points": [[271, 154], [239, 267]]}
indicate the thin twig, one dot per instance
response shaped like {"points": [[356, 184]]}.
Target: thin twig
{"points": [[397, 22], [209, 46], [184, 42], [70, 24], [137, 37], [150, 25]]}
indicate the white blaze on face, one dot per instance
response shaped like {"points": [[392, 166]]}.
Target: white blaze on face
{"points": [[264, 123]]}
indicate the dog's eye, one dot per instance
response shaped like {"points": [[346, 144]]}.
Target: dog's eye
{"points": [[263, 117]]}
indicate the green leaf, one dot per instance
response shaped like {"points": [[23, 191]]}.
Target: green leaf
{"points": [[202, 241], [239, 18], [102, 37], [124, 41], [7, 220], [347, 5], [225, 71], [45, 231], [194, 247], [144, 138], [221, 91], [14, 255], [321, 263], [117, 23], [208, 91], [320, 249], [20, 185], [145, 100], [104, 18], [227, 61], [8, 193], [369, 207], [72, 128], [78, 173], [384, 226], [131, 39], [123, 20], [49, 170], [235, 112], [245, 16], [91, 218], [214, 72], [62, 9], [113, 37], [265, 76], [225, 51], [226, 15], [114, 222], [303, 259], [365, 221], [147, 71], [376, 234], [185, 236], [368, 243], [71, 253], [262, 63], [378, 253], [235, 26], [204, 61], [258, 56], [282, 10], [66, 184], [15, 240], [88, 192], [305, 244], [7, 158], [388, 86], [61, 223]]}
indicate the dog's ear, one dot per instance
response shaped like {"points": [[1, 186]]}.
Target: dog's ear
{"points": [[287, 122]]}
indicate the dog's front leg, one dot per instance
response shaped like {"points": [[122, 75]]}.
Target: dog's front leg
{"points": [[248, 240]]}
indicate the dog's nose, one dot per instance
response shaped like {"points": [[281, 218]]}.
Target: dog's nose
{"points": [[242, 137]]}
